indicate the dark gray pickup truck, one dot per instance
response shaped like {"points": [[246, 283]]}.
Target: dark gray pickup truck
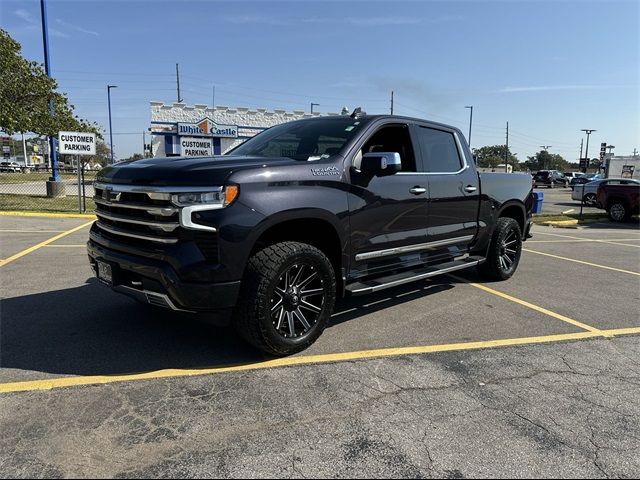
{"points": [[269, 235]]}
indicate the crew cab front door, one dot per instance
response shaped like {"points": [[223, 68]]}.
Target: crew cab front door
{"points": [[454, 190], [388, 213]]}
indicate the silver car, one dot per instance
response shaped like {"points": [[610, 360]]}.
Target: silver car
{"points": [[587, 191]]}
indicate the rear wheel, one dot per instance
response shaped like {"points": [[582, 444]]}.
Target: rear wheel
{"points": [[618, 211], [504, 251], [287, 296]]}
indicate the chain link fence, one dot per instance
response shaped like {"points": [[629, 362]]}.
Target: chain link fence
{"points": [[25, 189]]}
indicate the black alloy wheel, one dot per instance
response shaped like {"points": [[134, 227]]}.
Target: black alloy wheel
{"points": [[286, 298], [297, 300], [505, 250]]}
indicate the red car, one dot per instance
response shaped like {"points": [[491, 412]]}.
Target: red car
{"points": [[620, 201]]}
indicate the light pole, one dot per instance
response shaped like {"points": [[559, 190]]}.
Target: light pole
{"points": [[586, 166], [586, 151], [109, 87], [470, 121], [545, 148], [312, 104], [55, 188]]}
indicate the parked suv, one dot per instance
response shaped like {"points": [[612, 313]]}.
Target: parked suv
{"points": [[550, 178]]}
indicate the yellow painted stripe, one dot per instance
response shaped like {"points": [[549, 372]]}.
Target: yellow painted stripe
{"points": [[65, 382], [46, 214], [586, 240], [582, 262], [537, 308], [52, 383], [42, 244], [66, 246]]}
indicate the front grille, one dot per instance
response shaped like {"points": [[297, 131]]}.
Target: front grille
{"points": [[145, 217]]}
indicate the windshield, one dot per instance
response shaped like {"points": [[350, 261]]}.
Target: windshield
{"points": [[306, 140]]}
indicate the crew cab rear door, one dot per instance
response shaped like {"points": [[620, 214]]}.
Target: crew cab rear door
{"points": [[454, 187]]}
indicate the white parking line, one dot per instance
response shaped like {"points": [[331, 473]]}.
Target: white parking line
{"points": [[595, 240]]}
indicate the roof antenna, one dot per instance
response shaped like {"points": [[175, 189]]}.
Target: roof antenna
{"points": [[357, 113]]}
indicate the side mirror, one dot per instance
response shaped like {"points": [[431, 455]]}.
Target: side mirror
{"points": [[381, 163]]}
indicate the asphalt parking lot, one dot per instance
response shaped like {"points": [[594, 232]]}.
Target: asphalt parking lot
{"points": [[536, 376]]}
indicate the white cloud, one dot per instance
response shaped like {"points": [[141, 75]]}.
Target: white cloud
{"points": [[76, 27], [545, 88]]}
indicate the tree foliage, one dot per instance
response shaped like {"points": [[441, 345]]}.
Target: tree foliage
{"points": [[25, 91], [491, 156], [544, 160]]}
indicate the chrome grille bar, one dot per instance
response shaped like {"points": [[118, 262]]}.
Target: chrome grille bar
{"points": [[160, 211], [164, 226], [127, 233]]}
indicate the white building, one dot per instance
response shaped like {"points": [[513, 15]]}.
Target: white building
{"points": [[199, 130], [622, 166]]}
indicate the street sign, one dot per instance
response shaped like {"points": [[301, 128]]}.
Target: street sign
{"points": [[77, 143], [584, 164], [603, 150]]}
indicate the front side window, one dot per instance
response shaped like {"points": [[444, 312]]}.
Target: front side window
{"points": [[439, 151]]}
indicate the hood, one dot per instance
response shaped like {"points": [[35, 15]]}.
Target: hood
{"points": [[185, 171]]}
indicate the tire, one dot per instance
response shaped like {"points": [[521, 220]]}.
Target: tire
{"points": [[272, 318], [590, 199], [497, 266], [618, 211]]}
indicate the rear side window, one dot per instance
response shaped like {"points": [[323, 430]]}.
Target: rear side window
{"points": [[439, 151]]}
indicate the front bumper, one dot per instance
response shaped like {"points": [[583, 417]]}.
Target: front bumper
{"points": [[156, 282]]}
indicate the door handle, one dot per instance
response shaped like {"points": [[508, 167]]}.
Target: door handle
{"points": [[418, 190], [470, 189]]}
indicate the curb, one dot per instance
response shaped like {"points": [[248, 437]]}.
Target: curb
{"points": [[47, 214]]}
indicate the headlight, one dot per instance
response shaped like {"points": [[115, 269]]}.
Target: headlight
{"points": [[219, 199]]}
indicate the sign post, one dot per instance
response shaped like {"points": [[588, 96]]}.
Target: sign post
{"points": [[78, 143]]}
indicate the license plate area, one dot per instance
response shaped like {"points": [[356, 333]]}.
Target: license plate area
{"points": [[104, 272]]}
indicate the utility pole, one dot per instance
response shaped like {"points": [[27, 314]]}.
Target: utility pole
{"points": [[635, 152], [24, 149], [470, 121], [391, 102], [545, 148], [144, 144], [178, 83], [312, 105], [506, 152]]}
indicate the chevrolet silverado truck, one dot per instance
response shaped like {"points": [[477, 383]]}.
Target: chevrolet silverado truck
{"points": [[269, 235]]}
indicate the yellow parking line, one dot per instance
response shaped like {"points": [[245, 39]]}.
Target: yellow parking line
{"points": [[537, 308], [46, 214], [31, 231], [67, 246], [582, 262], [612, 240], [42, 244], [65, 382]]}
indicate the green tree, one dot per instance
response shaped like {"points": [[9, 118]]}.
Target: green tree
{"points": [[135, 156], [25, 91], [544, 160], [491, 156]]}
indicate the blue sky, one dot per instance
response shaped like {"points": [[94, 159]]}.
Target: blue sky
{"points": [[549, 68]]}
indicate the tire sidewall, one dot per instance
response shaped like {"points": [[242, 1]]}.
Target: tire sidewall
{"points": [[624, 212], [312, 257], [505, 226]]}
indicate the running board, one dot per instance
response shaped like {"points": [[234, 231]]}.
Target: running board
{"points": [[370, 286]]}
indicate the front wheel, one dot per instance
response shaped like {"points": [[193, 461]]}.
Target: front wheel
{"points": [[286, 299], [504, 251], [590, 199]]}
